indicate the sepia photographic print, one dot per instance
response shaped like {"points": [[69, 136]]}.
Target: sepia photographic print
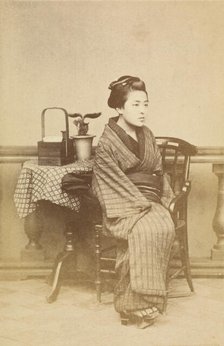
{"points": [[112, 173]]}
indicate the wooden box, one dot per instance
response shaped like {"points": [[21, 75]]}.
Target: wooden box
{"points": [[55, 153]]}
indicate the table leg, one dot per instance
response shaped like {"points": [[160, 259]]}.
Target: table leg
{"points": [[60, 263]]}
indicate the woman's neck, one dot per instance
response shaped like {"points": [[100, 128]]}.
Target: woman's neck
{"points": [[128, 128]]}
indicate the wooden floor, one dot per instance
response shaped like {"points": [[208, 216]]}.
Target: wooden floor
{"points": [[26, 319]]}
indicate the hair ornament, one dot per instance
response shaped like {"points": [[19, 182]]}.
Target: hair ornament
{"points": [[126, 80]]}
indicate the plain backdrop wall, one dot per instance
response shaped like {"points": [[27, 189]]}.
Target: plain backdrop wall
{"points": [[66, 54]]}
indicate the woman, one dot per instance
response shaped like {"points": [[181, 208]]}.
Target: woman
{"points": [[129, 183]]}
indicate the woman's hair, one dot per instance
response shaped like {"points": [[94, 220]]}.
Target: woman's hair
{"points": [[121, 88]]}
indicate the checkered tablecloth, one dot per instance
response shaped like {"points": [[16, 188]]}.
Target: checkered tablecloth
{"points": [[38, 183]]}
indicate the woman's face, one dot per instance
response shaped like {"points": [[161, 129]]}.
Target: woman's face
{"points": [[135, 108]]}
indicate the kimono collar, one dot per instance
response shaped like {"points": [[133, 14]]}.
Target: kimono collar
{"points": [[138, 148]]}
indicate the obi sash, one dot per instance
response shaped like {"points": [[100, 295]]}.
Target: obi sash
{"points": [[149, 185]]}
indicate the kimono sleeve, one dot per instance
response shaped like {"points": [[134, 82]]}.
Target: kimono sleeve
{"points": [[118, 196]]}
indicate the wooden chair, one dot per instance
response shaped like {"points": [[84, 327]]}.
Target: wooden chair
{"points": [[176, 155]]}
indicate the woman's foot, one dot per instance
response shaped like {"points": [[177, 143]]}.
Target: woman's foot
{"points": [[151, 313], [142, 318], [142, 324]]}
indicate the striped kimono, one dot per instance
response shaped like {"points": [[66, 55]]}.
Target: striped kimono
{"points": [[142, 226]]}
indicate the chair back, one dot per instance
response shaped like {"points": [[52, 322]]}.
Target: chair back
{"points": [[176, 154]]}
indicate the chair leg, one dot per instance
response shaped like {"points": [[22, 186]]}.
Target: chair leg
{"points": [[187, 270], [165, 303], [98, 291], [98, 255], [186, 262], [187, 273]]}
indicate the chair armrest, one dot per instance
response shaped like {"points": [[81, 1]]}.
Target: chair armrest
{"points": [[177, 202]]}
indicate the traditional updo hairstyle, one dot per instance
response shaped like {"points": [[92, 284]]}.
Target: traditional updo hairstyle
{"points": [[121, 88]]}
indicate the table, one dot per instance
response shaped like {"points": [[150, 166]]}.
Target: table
{"points": [[37, 183]]}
